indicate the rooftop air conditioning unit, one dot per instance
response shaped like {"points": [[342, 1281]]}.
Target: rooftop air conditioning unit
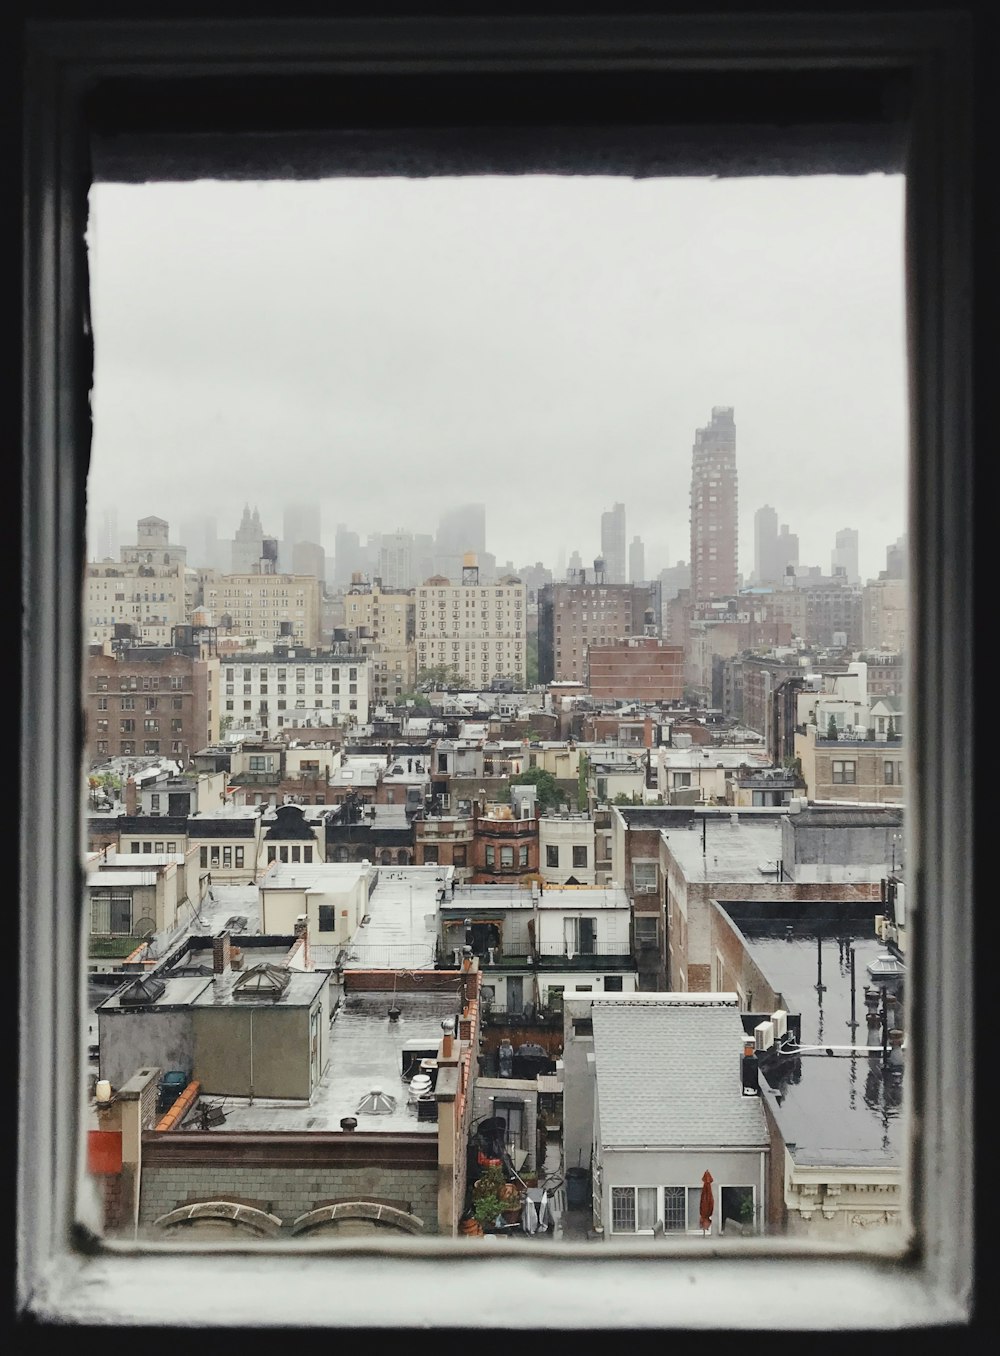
{"points": [[764, 1035], [779, 1020]]}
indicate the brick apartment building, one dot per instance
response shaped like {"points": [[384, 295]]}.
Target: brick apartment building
{"points": [[640, 668], [150, 701]]}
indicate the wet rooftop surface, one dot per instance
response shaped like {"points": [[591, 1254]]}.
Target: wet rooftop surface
{"points": [[837, 1107]]}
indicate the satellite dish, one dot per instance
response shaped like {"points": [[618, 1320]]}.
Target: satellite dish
{"points": [[144, 927]]}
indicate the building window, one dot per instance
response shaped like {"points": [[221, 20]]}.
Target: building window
{"points": [[431, 851], [506, 856], [490, 855], [110, 912], [522, 855], [644, 877], [843, 771], [579, 856], [612, 984], [889, 770], [327, 918], [551, 854]]}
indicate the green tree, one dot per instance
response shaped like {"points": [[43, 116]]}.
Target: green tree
{"points": [[531, 660], [831, 729], [581, 782], [439, 675], [550, 795]]}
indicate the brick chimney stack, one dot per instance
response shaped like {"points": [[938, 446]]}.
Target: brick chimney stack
{"points": [[221, 954], [648, 733], [131, 796]]}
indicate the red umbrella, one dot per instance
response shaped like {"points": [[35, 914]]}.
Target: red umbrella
{"points": [[706, 1206]]}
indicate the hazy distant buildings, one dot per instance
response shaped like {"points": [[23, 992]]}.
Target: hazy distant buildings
{"points": [[308, 557], [348, 557], [108, 542], [573, 567], [714, 508], [844, 557], [396, 561], [248, 544], [302, 522], [461, 530], [200, 536], [765, 546], [613, 549], [636, 561], [895, 559]]}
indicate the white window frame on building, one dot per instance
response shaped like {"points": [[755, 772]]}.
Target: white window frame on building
{"points": [[66, 1275]]}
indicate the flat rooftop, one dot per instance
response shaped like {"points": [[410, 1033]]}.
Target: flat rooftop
{"points": [[402, 927], [552, 897], [717, 849], [366, 1052], [841, 1107]]}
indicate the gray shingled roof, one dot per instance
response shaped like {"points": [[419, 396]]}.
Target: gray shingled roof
{"points": [[668, 1074]]}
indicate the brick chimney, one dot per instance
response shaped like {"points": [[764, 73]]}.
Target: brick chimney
{"points": [[131, 796], [647, 737], [221, 955]]}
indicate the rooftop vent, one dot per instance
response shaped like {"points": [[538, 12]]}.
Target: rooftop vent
{"points": [[376, 1103]]}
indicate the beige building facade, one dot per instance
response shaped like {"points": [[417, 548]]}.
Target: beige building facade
{"points": [[274, 607], [478, 629]]}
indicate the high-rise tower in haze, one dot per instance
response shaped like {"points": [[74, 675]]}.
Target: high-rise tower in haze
{"points": [[845, 554], [714, 509], [765, 545], [613, 547]]}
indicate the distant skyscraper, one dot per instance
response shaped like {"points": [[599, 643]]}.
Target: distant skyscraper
{"points": [[460, 530], [347, 556], [301, 522], [845, 555], [636, 561], [108, 541], [395, 562], [765, 546], [574, 565], [895, 559], [787, 549], [248, 544], [200, 536], [714, 509], [613, 544]]}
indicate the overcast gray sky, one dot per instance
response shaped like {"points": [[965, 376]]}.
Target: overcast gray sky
{"points": [[547, 345]]}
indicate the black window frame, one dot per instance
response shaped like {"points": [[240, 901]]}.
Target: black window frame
{"points": [[932, 1283]]}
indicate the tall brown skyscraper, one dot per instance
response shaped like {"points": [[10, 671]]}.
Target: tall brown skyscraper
{"points": [[714, 505]]}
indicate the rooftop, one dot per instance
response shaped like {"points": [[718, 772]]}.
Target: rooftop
{"points": [[718, 849], [668, 1074], [402, 927], [366, 1052], [837, 1107]]}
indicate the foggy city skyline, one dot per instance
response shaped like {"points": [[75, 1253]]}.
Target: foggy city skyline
{"points": [[386, 350]]}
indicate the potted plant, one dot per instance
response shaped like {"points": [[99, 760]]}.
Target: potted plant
{"points": [[488, 1183], [487, 1210], [511, 1201]]}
